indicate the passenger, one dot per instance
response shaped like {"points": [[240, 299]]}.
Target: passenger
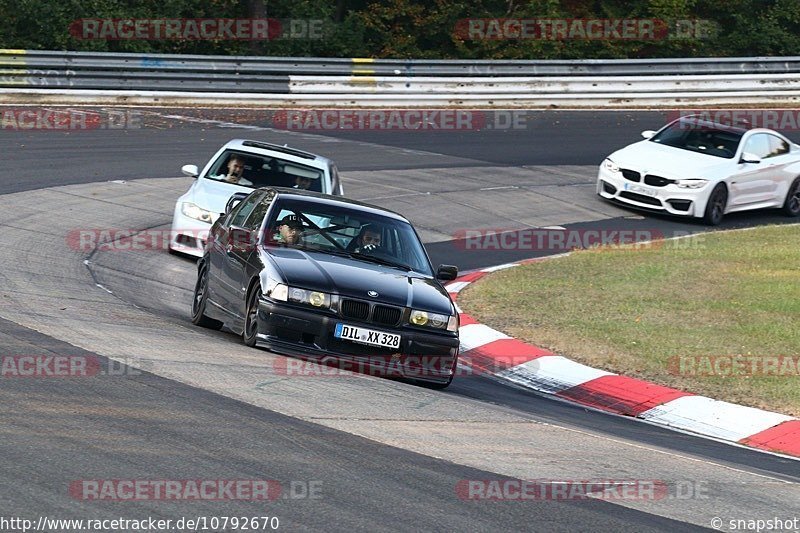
{"points": [[302, 182], [367, 240]]}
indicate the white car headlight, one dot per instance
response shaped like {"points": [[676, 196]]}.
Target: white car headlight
{"points": [[198, 213], [691, 183], [610, 165]]}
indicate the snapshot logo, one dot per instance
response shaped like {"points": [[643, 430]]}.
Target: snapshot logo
{"points": [[734, 365], [204, 29], [555, 29], [595, 489], [554, 240], [62, 366], [774, 119], [399, 119], [42, 119], [757, 524]]}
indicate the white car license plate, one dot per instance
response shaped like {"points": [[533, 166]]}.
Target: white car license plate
{"points": [[641, 190], [367, 336]]}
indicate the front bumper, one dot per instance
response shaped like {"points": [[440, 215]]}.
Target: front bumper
{"points": [[308, 334], [669, 198], [188, 235]]}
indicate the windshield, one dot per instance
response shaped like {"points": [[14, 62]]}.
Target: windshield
{"points": [[347, 231], [701, 137], [250, 170]]}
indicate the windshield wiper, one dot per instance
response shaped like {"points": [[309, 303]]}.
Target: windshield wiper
{"points": [[363, 257], [378, 260]]}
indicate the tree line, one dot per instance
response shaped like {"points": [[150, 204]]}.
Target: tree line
{"points": [[426, 29]]}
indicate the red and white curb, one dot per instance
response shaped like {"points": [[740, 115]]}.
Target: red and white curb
{"points": [[491, 352]]}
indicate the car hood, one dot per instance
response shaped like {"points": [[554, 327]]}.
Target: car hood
{"points": [[213, 195], [649, 157], [354, 278]]}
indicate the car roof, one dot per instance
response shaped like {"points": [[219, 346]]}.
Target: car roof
{"points": [[701, 120], [327, 199], [269, 149], [740, 128]]}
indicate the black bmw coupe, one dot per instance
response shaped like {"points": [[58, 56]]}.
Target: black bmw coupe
{"points": [[323, 278]]}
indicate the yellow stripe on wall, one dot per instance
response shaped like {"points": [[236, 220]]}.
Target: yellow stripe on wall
{"points": [[12, 61]]}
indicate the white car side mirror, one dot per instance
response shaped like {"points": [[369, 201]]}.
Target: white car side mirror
{"points": [[750, 158], [648, 133], [190, 170]]}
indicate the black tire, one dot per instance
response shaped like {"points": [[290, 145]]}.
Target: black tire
{"points": [[791, 206], [250, 330], [199, 317], [715, 209]]}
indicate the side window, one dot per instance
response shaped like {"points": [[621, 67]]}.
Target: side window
{"points": [[758, 145], [243, 210], [257, 215], [777, 146]]}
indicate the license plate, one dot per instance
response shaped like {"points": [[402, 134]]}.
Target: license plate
{"points": [[367, 336], [641, 190]]}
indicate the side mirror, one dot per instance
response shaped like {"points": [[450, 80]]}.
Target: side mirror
{"points": [[750, 158], [234, 200], [190, 170], [648, 133], [447, 272]]}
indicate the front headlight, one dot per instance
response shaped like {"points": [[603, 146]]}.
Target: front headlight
{"points": [[313, 298], [610, 165], [691, 183], [198, 213], [430, 320]]}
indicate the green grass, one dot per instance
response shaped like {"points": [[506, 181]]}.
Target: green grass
{"points": [[631, 310]]}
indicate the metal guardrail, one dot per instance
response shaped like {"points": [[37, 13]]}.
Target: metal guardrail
{"points": [[543, 85], [402, 82]]}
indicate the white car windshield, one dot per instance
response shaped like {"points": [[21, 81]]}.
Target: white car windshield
{"points": [[251, 170], [701, 137]]}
